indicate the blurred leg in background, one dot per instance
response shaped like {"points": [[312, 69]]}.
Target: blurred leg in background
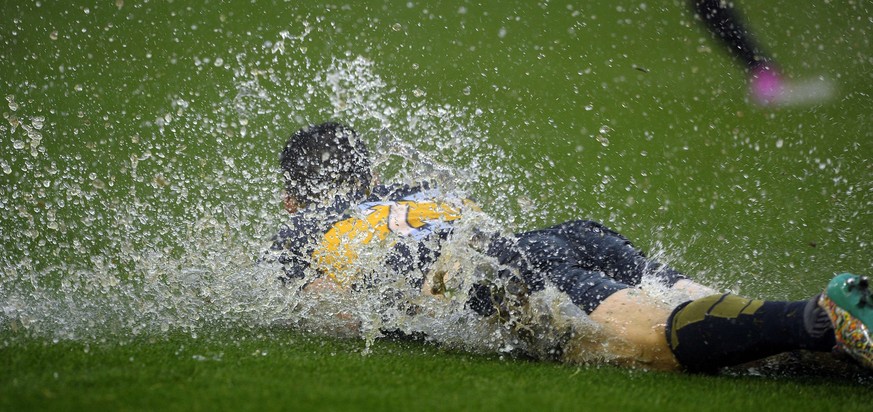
{"points": [[767, 85]]}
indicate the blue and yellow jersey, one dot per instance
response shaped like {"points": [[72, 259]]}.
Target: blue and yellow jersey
{"points": [[391, 219]]}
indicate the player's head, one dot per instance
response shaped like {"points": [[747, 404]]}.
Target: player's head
{"points": [[322, 161]]}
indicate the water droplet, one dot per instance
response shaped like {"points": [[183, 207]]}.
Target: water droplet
{"points": [[12, 105]]}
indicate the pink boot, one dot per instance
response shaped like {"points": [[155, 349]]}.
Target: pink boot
{"points": [[766, 86]]}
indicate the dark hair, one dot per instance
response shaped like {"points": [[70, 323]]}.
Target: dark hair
{"points": [[322, 157]]}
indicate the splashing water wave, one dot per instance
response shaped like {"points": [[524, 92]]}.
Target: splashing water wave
{"points": [[184, 269], [162, 269]]}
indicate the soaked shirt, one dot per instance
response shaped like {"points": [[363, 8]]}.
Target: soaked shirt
{"points": [[401, 225], [399, 229]]}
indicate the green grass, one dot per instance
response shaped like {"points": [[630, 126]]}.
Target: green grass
{"points": [[284, 370], [769, 201]]}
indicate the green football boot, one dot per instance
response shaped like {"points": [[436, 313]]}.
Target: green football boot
{"points": [[849, 304]]}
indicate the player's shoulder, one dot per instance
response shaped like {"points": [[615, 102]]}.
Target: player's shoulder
{"points": [[296, 232]]}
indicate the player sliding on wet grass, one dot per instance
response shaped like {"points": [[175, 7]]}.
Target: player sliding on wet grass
{"points": [[338, 215]]}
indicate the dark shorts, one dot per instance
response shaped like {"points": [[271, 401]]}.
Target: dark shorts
{"points": [[584, 259]]}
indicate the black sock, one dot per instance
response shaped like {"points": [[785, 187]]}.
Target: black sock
{"points": [[726, 330], [725, 23]]}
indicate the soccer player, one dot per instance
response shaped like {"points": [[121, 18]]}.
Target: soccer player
{"points": [[339, 217]]}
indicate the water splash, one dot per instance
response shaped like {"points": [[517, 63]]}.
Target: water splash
{"points": [[162, 246], [167, 236]]}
